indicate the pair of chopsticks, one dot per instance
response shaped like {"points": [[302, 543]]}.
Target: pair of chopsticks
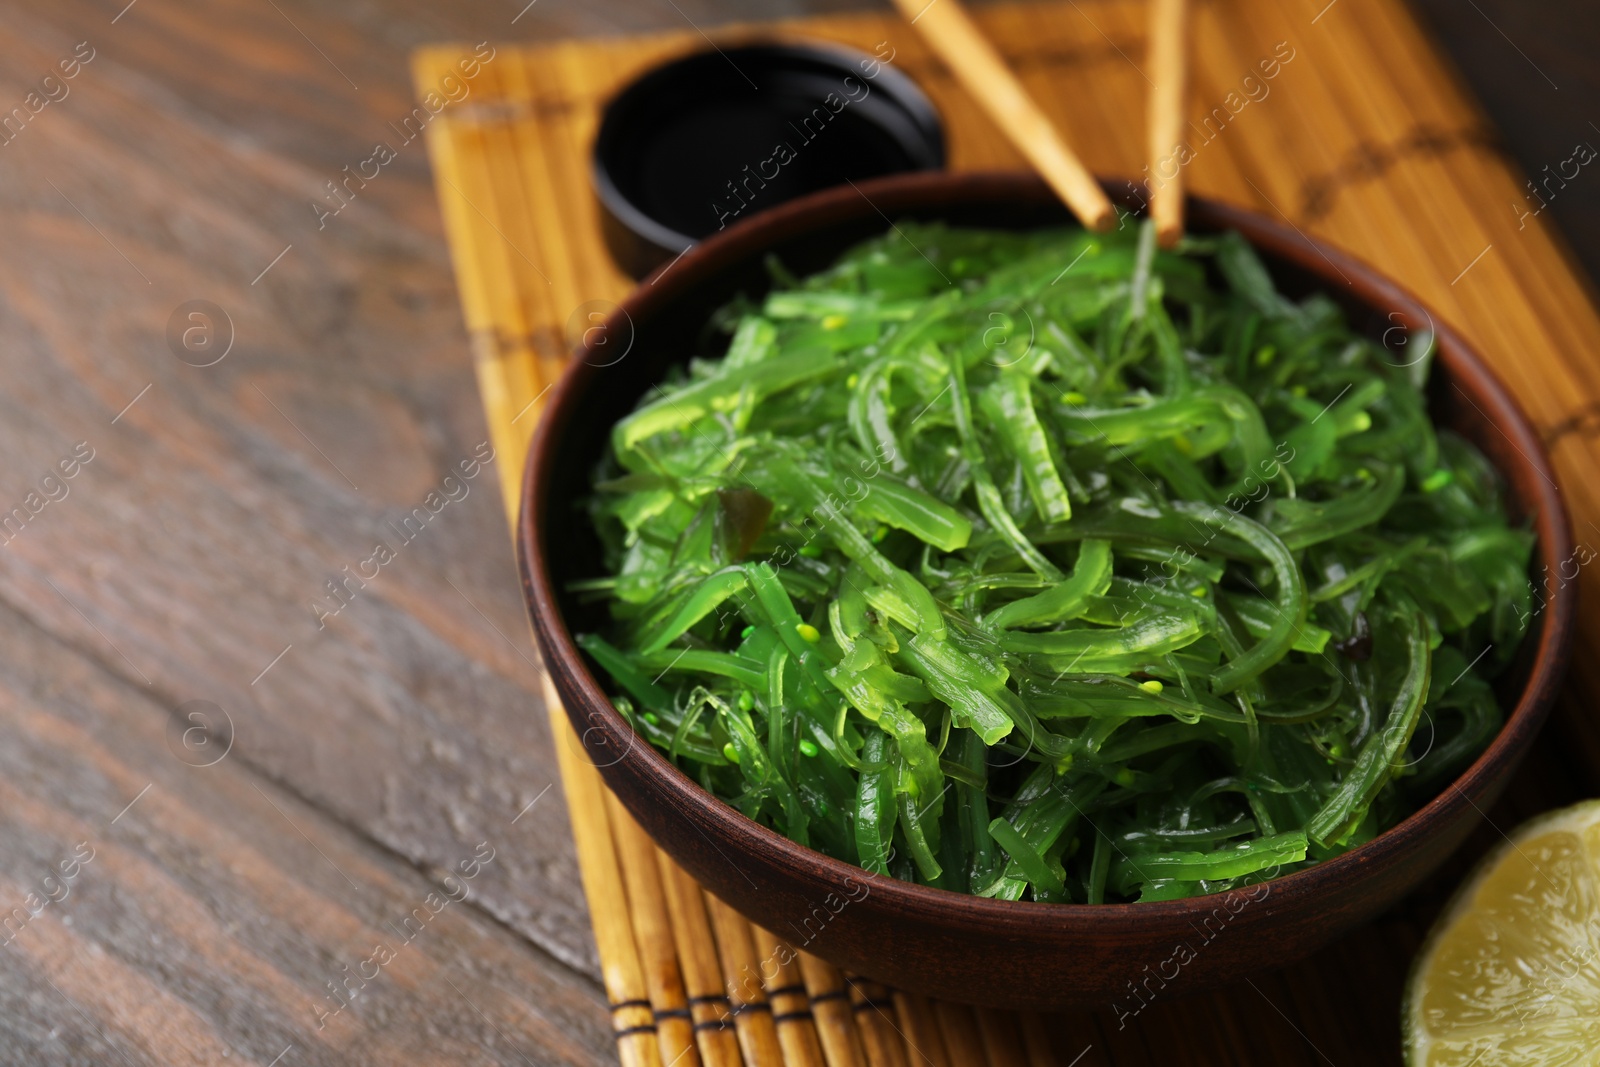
{"points": [[952, 34]]}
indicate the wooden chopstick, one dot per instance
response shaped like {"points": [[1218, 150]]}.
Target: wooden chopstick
{"points": [[1169, 66], [952, 34]]}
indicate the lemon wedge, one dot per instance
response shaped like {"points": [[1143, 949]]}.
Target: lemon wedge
{"points": [[1511, 973]]}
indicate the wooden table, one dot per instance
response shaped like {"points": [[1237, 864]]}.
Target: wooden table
{"points": [[274, 775]]}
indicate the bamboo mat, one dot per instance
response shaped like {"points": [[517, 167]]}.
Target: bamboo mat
{"points": [[1362, 137]]}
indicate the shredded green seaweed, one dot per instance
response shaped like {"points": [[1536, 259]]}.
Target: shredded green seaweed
{"points": [[1053, 566]]}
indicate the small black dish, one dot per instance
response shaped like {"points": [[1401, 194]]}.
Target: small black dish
{"points": [[704, 141]]}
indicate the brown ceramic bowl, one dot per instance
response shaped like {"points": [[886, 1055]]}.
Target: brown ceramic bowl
{"points": [[1006, 954]]}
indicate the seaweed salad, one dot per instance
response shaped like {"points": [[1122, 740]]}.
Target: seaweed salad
{"points": [[1054, 566]]}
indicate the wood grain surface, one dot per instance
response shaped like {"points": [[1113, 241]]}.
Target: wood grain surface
{"points": [[374, 752]]}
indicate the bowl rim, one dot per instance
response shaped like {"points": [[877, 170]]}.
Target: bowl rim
{"points": [[1368, 285]]}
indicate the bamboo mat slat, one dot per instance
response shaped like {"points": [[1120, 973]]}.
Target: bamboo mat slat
{"points": [[1363, 137], [791, 1004]]}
